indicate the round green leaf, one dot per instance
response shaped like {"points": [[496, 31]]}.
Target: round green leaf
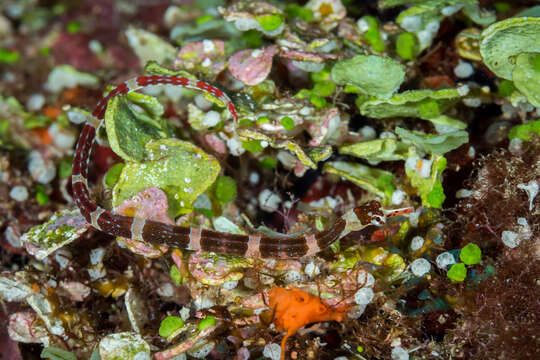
{"points": [[374, 75], [127, 132], [457, 273], [471, 254], [428, 110], [182, 170], [8, 56], [525, 131], [169, 325], [526, 76], [113, 174], [207, 322], [406, 46], [176, 275], [225, 189], [504, 40], [64, 167], [287, 123], [506, 88], [252, 145], [269, 22], [55, 353], [324, 88], [409, 103]]}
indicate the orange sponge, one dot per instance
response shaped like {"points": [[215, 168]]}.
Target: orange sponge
{"points": [[295, 308]]}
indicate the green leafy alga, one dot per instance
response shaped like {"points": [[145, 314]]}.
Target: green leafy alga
{"points": [[377, 150], [525, 131], [526, 76], [148, 46], [55, 353], [363, 176], [207, 322], [9, 56], [411, 103], [225, 189], [430, 189], [457, 273], [504, 40], [470, 254], [438, 144], [406, 46], [374, 75], [182, 170], [128, 131], [270, 22], [169, 325], [113, 174]]}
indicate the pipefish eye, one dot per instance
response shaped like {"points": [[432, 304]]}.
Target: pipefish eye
{"points": [[378, 220]]}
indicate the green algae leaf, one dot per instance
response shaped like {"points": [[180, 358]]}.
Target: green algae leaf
{"points": [[366, 177], [377, 150], [374, 75], [457, 273], [254, 144], [406, 46], [530, 12], [373, 35], [54, 353], [148, 46], [66, 76], [221, 223], [124, 346], [149, 104], [410, 103], [113, 174], [479, 15], [470, 254], [294, 11], [63, 228], [169, 325], [269, 22], [176, 275], [182, 170], [446, 122], [525, 131], [526, 76], [435, 144], [423, 21], [154, 68], [504, 40], [128, 131], [206, 323], [9, 56], [225, 189], [287, 123], [430, 187], [320, 153]]}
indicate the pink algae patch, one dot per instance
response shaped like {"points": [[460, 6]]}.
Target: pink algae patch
{"points": [[149, 204], [252, 66], [206, 56]]}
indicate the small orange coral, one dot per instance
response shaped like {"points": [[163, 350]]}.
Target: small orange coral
{"points": [[295, 308]]}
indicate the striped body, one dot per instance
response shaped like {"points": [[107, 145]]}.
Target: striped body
{"points": [[252, 246]]}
